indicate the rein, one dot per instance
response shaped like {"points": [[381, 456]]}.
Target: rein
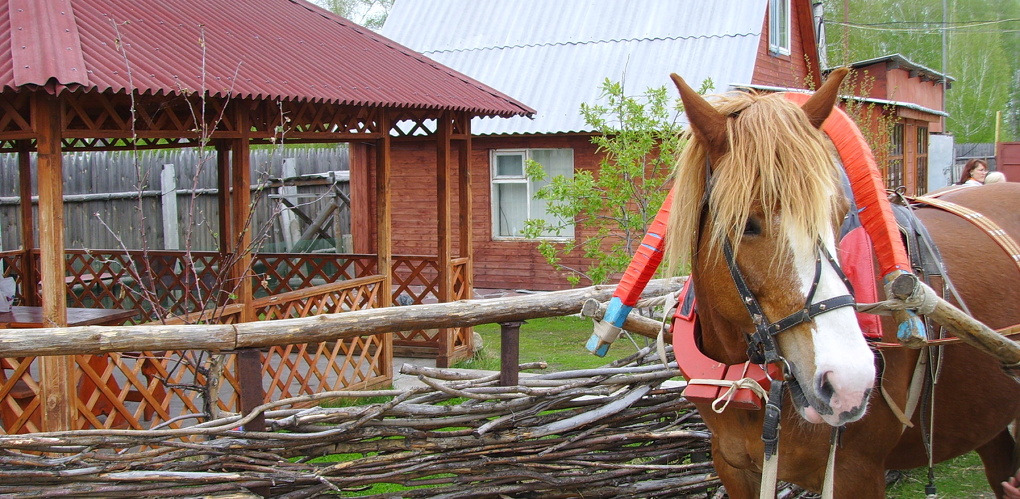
{"points": [[762, 349]]}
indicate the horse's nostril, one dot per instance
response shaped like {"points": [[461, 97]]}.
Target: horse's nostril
{"points": [[825, 389]]}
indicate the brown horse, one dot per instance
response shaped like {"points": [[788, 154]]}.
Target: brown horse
{"points": [[774, 198]]}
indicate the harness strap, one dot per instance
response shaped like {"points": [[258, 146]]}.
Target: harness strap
{"points": [[770, 435], [761, 348], [982, 222]]}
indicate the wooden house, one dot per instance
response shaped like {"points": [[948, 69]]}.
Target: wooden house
{"points": [[554, 55], [907, 100]]}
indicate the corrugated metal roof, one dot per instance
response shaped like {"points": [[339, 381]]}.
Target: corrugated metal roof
{"points": [[554, 54], [270, 49]]}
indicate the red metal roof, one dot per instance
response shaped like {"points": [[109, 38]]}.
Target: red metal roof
{"points": [[262, 49]]}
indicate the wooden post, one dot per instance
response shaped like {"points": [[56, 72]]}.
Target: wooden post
{"points": [[444, 248], [465, 199], [223, 200], [240, 213], [384, 228], [290, 228], [251, 394], [509, 352], [360, 194], [249, 381], [31, 273], [59, 409], [168, 196]]}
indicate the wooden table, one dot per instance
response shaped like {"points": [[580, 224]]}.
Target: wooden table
{"points": [[31, 317]]}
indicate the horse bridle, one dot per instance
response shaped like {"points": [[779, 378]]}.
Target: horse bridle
{"points": [[761, 345]]}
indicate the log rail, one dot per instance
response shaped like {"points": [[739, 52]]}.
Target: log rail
{"points": [[327, 327]]}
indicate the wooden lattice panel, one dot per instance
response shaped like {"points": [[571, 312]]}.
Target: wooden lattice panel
{"points": [[283, 272], [19, 396], [316, 367], [343, 296], [141, 390], [15, 109], [272, 121], [140, 143], [414, 123], [135, 390], [463, 337], [85, 114], [418, 279], [172, 283]]}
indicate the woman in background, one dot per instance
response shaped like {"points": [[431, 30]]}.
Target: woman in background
{"points": [[974, 173]]}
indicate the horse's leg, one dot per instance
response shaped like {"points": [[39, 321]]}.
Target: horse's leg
{"points": [[858, 476], [997, 456], [740, 483]]}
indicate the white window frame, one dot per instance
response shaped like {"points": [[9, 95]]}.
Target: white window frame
{"points": [[779, 38], [496, 180]]}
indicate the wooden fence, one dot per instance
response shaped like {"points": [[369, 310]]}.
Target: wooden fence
{"points": [[106, 194], [156, 386]]}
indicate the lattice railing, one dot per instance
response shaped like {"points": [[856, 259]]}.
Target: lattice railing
{"points": [[145, 389], [417, 278], [342, 296], [415, 281], [157, 283], [462, 336], [142, 389], [283, 272]]}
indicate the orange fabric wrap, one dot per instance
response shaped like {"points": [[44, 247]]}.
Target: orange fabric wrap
{"points": [[869, 189], [647, 258]]}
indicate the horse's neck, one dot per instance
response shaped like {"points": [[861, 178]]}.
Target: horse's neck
{"points": [[720, 339]]}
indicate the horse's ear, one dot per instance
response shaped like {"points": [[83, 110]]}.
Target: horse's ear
{"points": [[820, 104], [708, 124]]}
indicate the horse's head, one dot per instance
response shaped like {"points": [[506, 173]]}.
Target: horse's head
{"points": [[757, 204]]}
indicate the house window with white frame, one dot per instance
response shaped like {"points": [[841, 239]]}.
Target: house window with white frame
{"points": [[779, 26], [513, 193]]}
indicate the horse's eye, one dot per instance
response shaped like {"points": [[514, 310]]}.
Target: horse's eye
{"points": [[752, 227]]}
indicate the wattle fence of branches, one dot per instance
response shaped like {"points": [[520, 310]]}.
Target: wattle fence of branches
{"points": [[620, 431], [623, 430]]}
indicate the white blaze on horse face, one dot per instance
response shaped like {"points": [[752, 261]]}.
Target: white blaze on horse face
{"points": [[844, 365]]}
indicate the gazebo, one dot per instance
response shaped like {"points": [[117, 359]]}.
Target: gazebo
{"points": [[95, 75]]}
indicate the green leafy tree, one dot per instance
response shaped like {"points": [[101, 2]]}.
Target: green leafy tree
{"points": [[368, 13], [981, 52], [611, 208]]}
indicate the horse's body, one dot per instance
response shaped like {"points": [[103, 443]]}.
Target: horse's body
{"points": [[974, 400]]}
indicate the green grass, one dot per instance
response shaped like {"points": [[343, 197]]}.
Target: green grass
{"points": [[558, 341], [960, 478]]}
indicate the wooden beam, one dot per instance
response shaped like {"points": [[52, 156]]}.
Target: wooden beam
{"points": [[223, 201], [465, 200], [360, 189], [328, 327], [444, 246], [59, 412], [384, 231], [241, 213], [30, 272]]}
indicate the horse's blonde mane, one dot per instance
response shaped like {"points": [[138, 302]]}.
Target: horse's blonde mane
{"points": [[776, 158]]}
